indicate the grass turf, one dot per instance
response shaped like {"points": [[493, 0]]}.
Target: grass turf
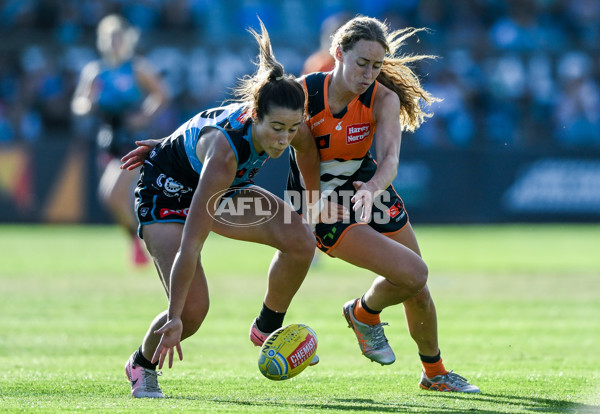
{"points": [[518, 310]]}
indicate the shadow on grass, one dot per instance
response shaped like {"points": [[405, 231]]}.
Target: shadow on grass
{"points": [[504, 403], [529, 404]]}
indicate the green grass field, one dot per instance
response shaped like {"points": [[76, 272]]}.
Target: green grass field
{"points": [[518, 309]]}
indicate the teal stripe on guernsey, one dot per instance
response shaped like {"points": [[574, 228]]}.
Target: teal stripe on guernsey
{"points": [[191, 140], [248, 137]]}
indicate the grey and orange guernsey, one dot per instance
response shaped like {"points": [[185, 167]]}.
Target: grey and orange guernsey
{"points": [[344, 141]]}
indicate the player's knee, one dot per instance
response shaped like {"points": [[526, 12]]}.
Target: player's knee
{"points": [[192, 317], [301, 243], [417, 278], [420, 277]]}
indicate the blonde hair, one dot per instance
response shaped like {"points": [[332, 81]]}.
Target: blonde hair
{"points": [[114, 23], [269, 85], [396, 73]]}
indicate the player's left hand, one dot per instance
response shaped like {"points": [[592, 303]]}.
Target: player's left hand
{"points": [[171, 338], [363, 200]]}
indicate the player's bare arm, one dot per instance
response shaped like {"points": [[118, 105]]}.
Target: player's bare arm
{"points": [[219, 166], [309, 161], [386, 111], [157, 95]]}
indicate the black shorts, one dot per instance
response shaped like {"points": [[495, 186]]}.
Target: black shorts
{"points": [[388, 217], [159, 198]]}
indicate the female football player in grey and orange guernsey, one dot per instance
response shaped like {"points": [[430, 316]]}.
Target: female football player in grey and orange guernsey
{"points": [[205, 164], [372, 94]]}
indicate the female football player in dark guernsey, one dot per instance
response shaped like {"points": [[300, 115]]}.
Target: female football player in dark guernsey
{"points": [[189, 184]]}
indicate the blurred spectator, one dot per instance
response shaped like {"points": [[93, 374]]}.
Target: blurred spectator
{"points": [[577, 114], [503, 66], [321, 60]]}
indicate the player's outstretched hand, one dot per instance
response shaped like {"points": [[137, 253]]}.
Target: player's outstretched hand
{"points": [[136, 157], [363, 200], [171, 338]]}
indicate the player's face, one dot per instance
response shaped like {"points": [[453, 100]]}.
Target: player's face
{"points": [[362, 64], [114, 45], [274, 133]]}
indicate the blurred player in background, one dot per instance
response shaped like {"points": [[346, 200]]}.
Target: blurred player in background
{"points": [[126, 94], [208, 163], [321, 60], [372, 92]]}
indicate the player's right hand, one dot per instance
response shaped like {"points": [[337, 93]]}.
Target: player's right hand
{"points": [[171, 338]]}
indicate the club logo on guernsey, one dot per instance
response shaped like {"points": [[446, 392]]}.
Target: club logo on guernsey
{"points": [[357, 133], [244, 207], [396, 212], [171, 187]]}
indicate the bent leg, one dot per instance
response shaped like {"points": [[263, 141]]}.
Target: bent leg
{"points": [[162, 241], [115, 191], [403, 272], [286, 232], [420, 311]]}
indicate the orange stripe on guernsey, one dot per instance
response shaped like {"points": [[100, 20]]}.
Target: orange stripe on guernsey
{"points": [[348, 137]]}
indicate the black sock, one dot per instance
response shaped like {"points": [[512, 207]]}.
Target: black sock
{"points": [[365, 307], [268, 320], [431, 359], [140, 359]]}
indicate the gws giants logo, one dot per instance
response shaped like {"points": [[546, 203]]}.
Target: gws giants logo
{"points": [[357, 133], [244, 207]]}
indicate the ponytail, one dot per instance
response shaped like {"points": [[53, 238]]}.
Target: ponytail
{"points": [[270, 85]]}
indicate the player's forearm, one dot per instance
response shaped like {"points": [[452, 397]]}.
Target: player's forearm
{"points": [[387, 169], [309, 166], [184, 269]]}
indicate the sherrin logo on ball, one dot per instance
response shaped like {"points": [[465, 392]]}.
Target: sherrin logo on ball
{"points": [[287, 352]]}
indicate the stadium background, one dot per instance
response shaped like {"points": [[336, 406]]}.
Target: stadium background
{"points": [[517, 137]]}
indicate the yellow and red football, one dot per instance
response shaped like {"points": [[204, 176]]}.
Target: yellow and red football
{"points": [[287, 352]]}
